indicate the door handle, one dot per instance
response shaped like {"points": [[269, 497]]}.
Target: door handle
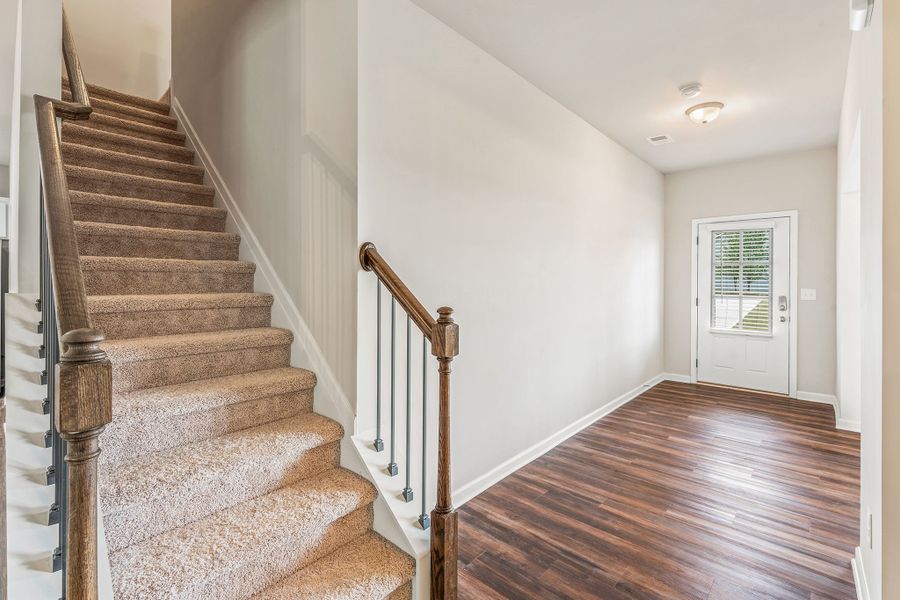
{"points": [[782, 303]]}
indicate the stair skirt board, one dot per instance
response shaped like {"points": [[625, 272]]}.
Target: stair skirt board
{"points": [[216, 478]]}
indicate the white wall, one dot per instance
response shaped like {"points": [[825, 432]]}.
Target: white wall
{"points": [[8, 21], [544, 235], [804, 181], [36, 71], [270, 90], [862, 112], [125, 45]]}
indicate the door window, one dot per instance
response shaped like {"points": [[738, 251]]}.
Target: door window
{"points": [[741, 280]]}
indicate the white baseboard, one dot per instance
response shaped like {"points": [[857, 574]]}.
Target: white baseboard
{"points": [[676, 377], [817, 397], [859, 576], [848, 425], [330, 397], [480, 484], [840, 423]]}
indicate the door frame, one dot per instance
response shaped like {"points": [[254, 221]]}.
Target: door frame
{"points": [[793, 217]]}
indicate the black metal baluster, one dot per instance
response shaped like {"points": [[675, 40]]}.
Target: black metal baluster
{"points": [[392, 466], [424, 520], [407, 491], [379, 443]]}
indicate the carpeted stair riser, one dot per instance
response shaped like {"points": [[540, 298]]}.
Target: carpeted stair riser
{"points": [[180, 369], [380, 571], [199, 479], [129, 112], [99, 208], [244, 549], [110, 275], [142, 522], [119, 162], [100, 92], [195, 481], [133, 129], [77, 133], [139, 323], [133, 186], [128, 440], [102, 106], [101, 239], [255, 571]]}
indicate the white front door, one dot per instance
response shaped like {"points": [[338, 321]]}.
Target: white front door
{"points": [[743, 304]]}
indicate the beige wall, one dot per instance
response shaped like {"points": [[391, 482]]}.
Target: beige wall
{"points": [[805, 181], [125, 45], [269, 88], [543, 234], [891, 358]]}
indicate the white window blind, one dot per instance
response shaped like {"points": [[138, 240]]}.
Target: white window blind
{"points": [[741, 286]]}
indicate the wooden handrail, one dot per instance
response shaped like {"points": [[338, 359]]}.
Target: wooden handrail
{"points": [[371, 260], [443, 334], [81, 102], [83, 405]]}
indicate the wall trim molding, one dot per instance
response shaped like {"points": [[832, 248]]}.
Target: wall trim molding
{"points": [[831, 399], [676, 377], [335, 402], [848, 425], [819, 398], [859, 576], [483, 482]]}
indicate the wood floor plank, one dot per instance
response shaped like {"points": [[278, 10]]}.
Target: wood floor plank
{"points": [[687, 492]]}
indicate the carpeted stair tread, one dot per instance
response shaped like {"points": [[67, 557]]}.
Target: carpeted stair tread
{"points": [[110, 239], [246, 546], [73, 131], [249, 454], [169, 346], [135, 186], [199, 479], [129, 316], [81, 155], [135, 129], [104, 275], [98, 91], [160, 418], [130, 112], [174, 400], [104, 208], [364, 569]]}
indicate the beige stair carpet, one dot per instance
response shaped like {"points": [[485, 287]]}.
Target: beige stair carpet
{"points": [[217, 479]]}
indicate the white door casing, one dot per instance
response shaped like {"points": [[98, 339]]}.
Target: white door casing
{"points": [[744, 303]]}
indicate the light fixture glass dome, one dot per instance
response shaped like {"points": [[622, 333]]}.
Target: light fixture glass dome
{"points": [[704, 113]]}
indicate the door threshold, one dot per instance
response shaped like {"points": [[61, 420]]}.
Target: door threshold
{"points": [[743, 389]]}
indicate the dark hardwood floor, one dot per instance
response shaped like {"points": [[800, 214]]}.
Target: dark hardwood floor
{"points": [[686, 492]]}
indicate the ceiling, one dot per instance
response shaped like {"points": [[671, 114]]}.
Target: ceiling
{"points": [[778, 65]]}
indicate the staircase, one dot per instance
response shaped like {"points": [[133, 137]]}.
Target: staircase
{"points": [[216, 479]]}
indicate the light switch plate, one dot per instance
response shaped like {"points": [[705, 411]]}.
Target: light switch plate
{"points": [[807, 294]]}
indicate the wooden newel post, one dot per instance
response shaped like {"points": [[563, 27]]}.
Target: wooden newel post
{"points": [[445, 346], [84, 408]]}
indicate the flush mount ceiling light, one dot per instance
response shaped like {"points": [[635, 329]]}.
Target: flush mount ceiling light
{"points": [[704, 113], [691, 90]]}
